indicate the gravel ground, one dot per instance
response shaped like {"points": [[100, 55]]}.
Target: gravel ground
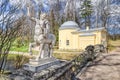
{"points": [[105, 67]]}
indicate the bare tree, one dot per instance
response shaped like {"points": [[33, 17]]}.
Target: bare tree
{"points": [[102, 7], [70, 10], [30, 24], [9, 28]]}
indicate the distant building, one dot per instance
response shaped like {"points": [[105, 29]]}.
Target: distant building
{"points": [[71, 37]]}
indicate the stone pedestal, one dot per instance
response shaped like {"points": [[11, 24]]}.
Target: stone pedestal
{"points": [[38, 70], [37, 66]]}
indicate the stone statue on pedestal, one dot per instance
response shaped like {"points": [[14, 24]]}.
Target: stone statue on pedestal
{"points": [[44, 64], [43, 37]]}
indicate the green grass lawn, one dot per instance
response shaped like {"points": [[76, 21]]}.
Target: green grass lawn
{"points": [[65, 56], [11, 56], [19, 49], [113, 44], [14, 56], [61, 55]]}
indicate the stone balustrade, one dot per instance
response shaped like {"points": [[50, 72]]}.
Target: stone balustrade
{"points": [[64, 70]]}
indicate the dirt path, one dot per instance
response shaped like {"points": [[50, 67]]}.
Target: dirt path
{"points": [[105, 67]]}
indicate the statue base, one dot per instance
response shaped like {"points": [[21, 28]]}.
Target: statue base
{"points": [[38, 70], [38, 65]]}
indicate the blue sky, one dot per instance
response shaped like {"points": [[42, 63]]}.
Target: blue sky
{"points": [[46, 7]]}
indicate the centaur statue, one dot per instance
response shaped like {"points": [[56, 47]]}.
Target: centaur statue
{"points": [[43, 37]]}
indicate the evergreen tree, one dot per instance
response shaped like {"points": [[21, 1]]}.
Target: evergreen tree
{"points": [[86, 11]]}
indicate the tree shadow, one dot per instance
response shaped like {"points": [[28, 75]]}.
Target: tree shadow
{"points": [[99, 61], [105, 57]]}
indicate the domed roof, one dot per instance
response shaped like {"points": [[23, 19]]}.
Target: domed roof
{"points": [[69, 25]]}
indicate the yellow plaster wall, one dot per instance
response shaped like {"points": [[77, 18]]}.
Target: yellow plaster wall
{"points": [[85, 41], [64, 35], [97, 37], [77, 42]]}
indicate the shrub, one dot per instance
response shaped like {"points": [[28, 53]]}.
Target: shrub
{"points": [[20, 60]]}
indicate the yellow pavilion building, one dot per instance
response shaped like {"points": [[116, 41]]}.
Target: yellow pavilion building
{"points": [[71, 37]]}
